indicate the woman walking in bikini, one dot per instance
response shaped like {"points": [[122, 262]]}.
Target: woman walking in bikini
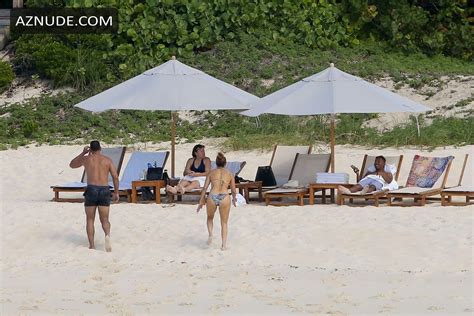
{"points": [[220, 180]]}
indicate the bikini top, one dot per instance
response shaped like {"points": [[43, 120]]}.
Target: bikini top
{"points": [[200, 168]]}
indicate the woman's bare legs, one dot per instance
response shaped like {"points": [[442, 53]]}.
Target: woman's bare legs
{"points": [[186, 186], [211, 210], [224, 210], [183, 187]]}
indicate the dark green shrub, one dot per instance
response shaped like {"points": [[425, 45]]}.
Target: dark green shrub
{"points": [[6, 75]]}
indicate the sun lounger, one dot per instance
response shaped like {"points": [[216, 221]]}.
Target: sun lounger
{"points": [[370, 160], [304, 169], [427, 177], [137, 163], [376, 195], [458, 191], [233, 166], [282, 161], [114, 153]]}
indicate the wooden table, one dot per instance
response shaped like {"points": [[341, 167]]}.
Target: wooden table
{"points": [[313, 187], [245, 187], [157, 184]]}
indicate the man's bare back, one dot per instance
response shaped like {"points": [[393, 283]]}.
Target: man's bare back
{"points": [[97, 193]]}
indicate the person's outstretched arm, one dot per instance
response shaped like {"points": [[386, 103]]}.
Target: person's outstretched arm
{"points": [[78, 161], [202, 200], [233, 190], [114, 174]]}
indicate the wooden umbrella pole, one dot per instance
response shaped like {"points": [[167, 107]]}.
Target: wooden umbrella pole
{"points": [[333, 141], [173, 141]]}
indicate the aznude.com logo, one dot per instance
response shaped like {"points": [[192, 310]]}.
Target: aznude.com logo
{"points": [[64, 21]]}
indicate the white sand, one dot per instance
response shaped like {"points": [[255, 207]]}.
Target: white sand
{"points": [[288, 260]]}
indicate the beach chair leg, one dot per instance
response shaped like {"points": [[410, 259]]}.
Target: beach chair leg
{"points": [[333, 194], [267, 199], [323, 196], [423, 201], [56, 196], [260, 194], [340, 200], [301, 199], [376, 202], [468, 199], [389, 201]]}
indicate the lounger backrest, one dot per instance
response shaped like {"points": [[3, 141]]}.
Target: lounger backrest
{"points": [[389, 160], [233, 166], [114, 153], [283, 159], [306, 166], [429, 172], [138, 162]]}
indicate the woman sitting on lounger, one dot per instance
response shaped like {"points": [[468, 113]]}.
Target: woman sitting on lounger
{"points": [[220, 179], [194, 173], [378, 177]]}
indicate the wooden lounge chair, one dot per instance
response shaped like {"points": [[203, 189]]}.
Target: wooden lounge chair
{"points": [[376, 195], [235, 167], [458, 191], [137, 163], [283, 159], [419, 187], [304, 169], [281, 162], [115, 153]]}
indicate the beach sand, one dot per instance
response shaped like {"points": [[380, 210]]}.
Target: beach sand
{"points": [[321, 259]]}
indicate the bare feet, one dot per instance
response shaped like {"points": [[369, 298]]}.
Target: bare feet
{"points": [[108, 245], [343, 190], [365, 190], [92, 247], [223, 248], [209, 240], [171, 189]]}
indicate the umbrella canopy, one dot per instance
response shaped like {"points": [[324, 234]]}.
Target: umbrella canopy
{"points": [[333, 91], [172, 86]]}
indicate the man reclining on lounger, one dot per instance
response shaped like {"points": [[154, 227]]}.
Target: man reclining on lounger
{"points": [[378, 177]]}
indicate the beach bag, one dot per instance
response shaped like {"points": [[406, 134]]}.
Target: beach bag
{"points": [[240, 200], [265, 174], [155, 173], [147, 194]]}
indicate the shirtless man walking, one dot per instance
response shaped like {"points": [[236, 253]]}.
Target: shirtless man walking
{"points": [[97, 193]]}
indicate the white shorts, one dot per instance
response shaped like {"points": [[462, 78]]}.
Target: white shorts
{"points": [[201, 180]]}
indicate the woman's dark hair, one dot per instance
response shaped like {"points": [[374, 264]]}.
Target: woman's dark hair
{"points": [[196, 148], [220, 160]]}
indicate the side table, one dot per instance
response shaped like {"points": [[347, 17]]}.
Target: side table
{"points": [[245, 187], [313, 187], [157, 184]]}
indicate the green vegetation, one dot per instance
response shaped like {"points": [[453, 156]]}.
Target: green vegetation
{"points": [[54, 120], [6, 76], [259, 46]]}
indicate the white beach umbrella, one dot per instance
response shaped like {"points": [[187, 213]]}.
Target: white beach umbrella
{"points": [[172, 86], [333, 91]]}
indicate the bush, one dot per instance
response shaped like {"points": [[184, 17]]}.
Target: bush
{"points": [[6, 76]]}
